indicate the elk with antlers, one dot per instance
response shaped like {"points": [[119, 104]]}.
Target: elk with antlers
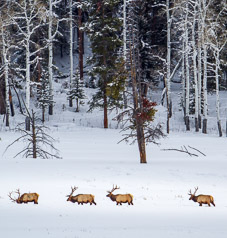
{"points": [[24, 198], [81, 198], [120, 198], [201, 199]]}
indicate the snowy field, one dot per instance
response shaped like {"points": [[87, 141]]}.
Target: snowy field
{"points": [[93, 160]]}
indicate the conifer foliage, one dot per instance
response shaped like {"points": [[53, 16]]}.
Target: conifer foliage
{"points": [[104, 29]]}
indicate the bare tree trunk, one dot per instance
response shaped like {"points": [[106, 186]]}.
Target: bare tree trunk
{"points": [[50, 59], [77, 105], [204, 6], [187, 121], [105, 87], [168, 80], [105, 110], [195, 68], [183, 79], [139, 124], [11, 104], [125, 51], [34, 147], [141, 142], [168, 107], [217, 59], [204, 130], [80, 45], [6, 74], [43, 114], [2, 100], [71, 51], [105, 105], [199, 64]]}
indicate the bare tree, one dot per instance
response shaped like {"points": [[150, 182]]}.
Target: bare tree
{"points": [[39, 142], [51, 36], [4, 23], [27, 19], [217, 41]]}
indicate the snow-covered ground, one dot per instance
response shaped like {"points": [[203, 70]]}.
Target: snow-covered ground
{"points": [[93, 160]]}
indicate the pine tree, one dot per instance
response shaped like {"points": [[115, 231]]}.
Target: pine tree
{"points": [[150, 29], [43, 93], [104, 28], [76, 91]]}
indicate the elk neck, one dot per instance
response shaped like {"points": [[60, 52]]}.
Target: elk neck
{"points": [[113, 197]]}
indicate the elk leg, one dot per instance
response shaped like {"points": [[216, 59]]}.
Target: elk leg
{"points": [[132, 203], [208, 204], [200, 204], [94, 203], [213, 204]]}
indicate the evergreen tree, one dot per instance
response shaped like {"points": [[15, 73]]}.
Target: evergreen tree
{"points": [[104, 28], [43, 96], [76, 91], [150, 39]]}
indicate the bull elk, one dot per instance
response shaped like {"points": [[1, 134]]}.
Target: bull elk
{"points": [[81, 198], [120, 198], [201, 199], [24, 198]]}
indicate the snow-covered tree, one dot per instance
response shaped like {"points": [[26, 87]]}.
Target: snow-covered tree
{"points": [[217, 39], [104, 30], [76, 91], [28, 17], [43, 93], [52, 32], [5, 42]]}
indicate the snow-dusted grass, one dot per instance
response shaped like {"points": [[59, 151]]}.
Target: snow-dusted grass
{"points": [[93, 161]]}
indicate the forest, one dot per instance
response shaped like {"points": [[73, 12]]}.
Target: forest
{"points": [[134, 46], [93, 90]]}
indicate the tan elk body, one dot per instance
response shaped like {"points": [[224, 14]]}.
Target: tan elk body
{"points": [[81, 198], [120, 198], [25, 198], [201, 199]]}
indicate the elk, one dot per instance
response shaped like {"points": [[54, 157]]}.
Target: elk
{"points": [[24, 198], [120, 198], [201, 199], [81, 198]]}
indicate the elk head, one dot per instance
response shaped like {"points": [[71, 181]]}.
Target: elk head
{"points": [[70, 195], [17, 200], [113, 189], [192, 195]]}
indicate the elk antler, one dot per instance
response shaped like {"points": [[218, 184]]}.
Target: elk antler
{"points": [[114, 188], [73, 190], [11, 198], [190, 192], [18, 192], [196, 189]]}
